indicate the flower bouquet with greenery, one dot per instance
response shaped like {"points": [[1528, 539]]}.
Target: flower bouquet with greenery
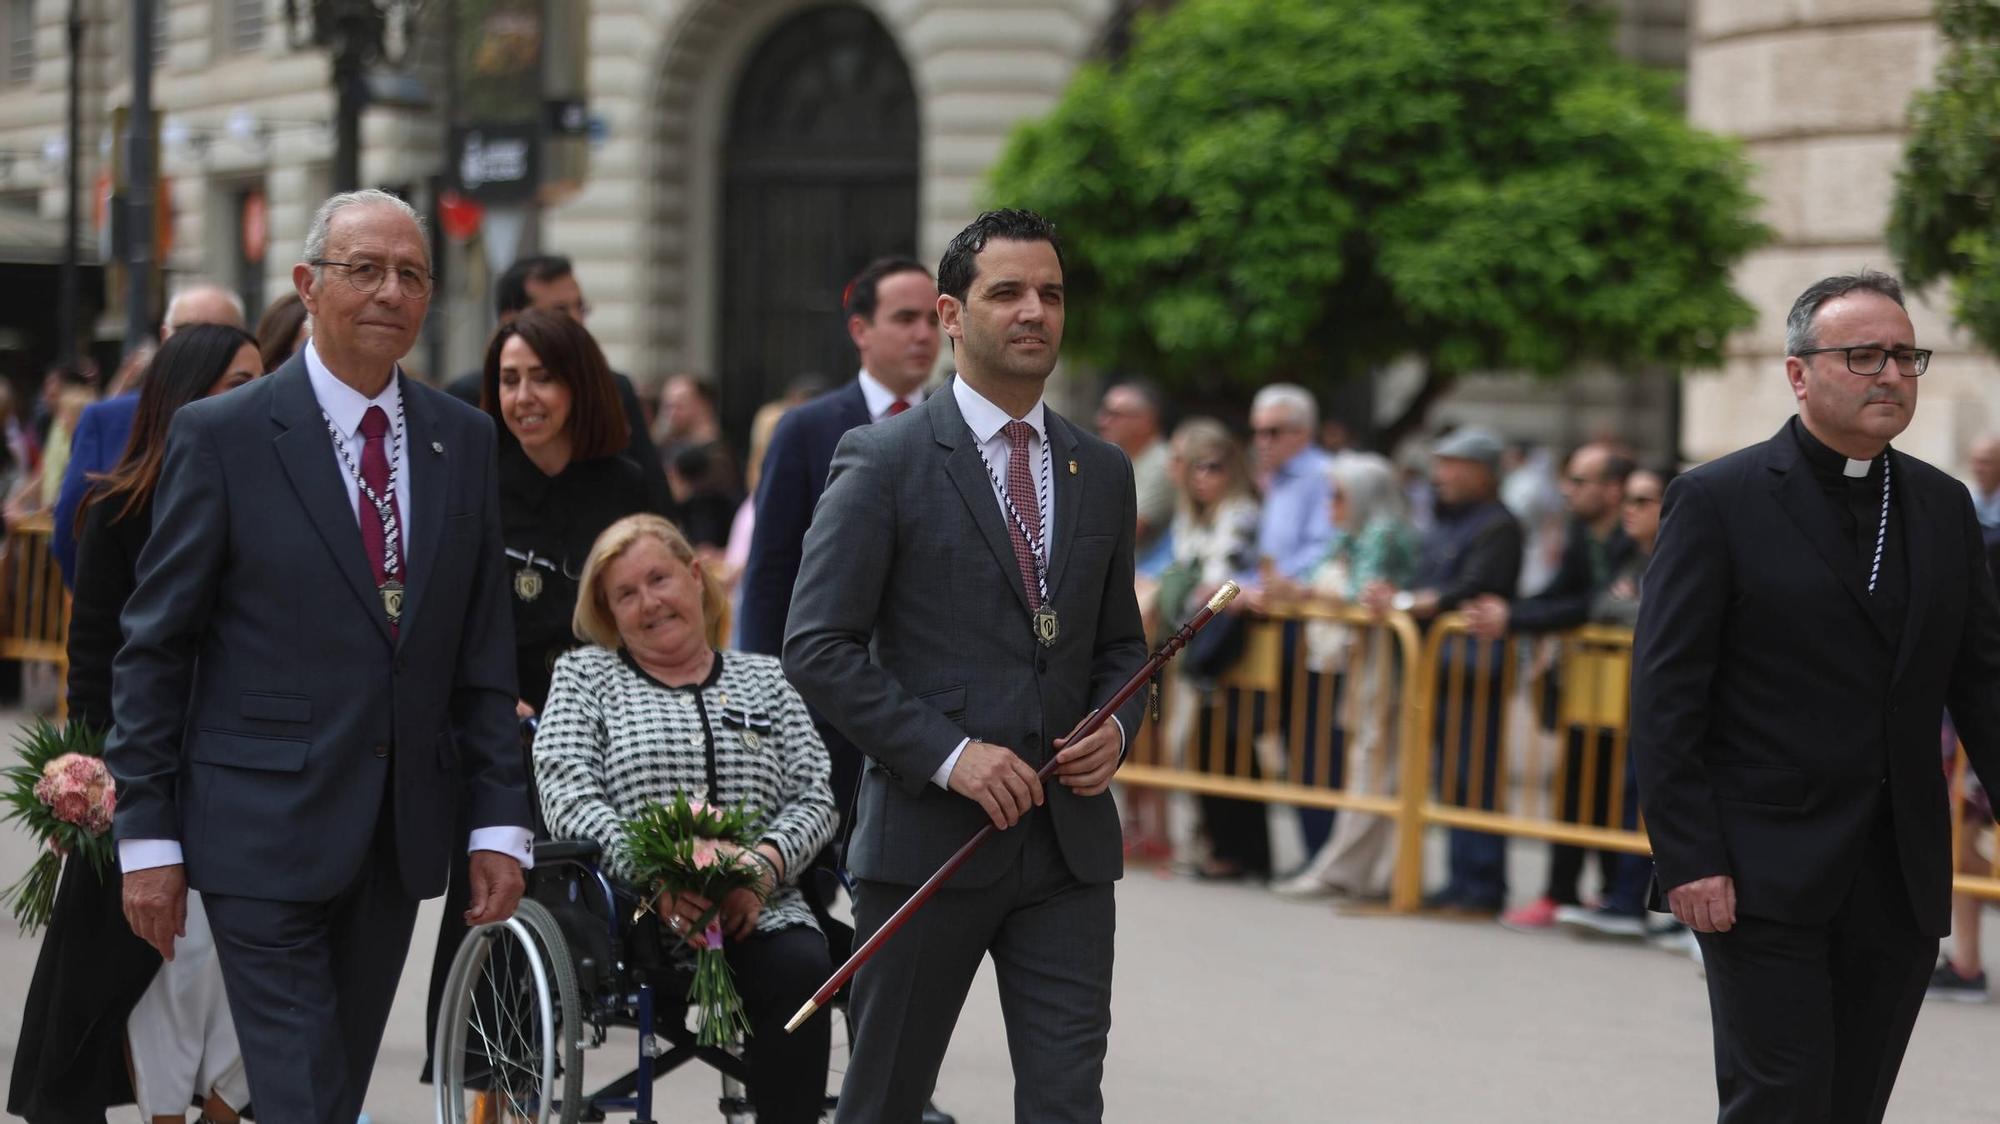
{"points": [[693, 847], [61, 793]]}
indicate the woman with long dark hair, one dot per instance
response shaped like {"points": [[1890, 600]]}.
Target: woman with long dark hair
{"points": [[105, 1023]]}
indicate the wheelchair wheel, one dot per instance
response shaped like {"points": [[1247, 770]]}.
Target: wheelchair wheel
{"points": [[509, 1030]]}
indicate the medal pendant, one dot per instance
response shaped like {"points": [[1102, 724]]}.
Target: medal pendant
{"points": [[392, 600], [527, 583], [1047, 627]]}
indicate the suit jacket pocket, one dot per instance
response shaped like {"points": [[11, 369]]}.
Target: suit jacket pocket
{"points": [[268, 707], [250, 751], [461, 524], [1780, 786], [949, 701]]}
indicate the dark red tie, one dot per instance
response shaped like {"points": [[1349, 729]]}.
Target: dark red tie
{"points": [[375, 470], [1027, 505], [897, 407]]}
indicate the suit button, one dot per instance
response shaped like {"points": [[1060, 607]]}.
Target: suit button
{"points": [[381, 751]]}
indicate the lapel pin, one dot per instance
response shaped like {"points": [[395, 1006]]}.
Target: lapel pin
{"points": [[438, 447], [1072, 468]]}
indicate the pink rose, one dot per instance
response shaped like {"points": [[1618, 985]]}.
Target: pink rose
{"points": [[81, 770], [70, 806], [706, 853]]}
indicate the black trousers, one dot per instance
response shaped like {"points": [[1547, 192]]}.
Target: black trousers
{"points": [[1565, 860], [1238, 831], [775, 974], [1811, 1020], [310, 985]]}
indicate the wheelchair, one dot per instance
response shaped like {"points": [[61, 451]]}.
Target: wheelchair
{"points": [[527, 997]]}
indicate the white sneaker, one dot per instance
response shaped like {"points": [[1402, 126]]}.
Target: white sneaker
{"points": [[1304, 887]]}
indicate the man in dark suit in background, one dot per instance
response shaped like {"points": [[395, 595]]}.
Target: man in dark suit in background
{"points": [[892, 319], [1813, 605], [319, 664], [548, 282], [964, 598]]}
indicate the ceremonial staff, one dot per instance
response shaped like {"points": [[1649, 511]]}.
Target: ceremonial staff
{"points": [[1084, 729]]}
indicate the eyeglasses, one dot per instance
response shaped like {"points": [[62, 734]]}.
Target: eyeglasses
{"points": [[1269, 432], [1910, 361], [368, 276], [1640, 501]]}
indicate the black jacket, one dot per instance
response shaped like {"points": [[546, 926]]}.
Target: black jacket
{"points": [[1567, 600], [556, 519], [1773, 722]]}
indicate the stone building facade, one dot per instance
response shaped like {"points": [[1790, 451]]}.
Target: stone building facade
{"points": [[755, 151], [1819, 90]]}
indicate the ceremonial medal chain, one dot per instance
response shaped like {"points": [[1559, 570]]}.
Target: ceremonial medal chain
{"points": [[1881, 527], [1038, 546], [384, 508]]}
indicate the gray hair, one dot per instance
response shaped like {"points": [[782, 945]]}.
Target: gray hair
{"points": [[1368, 481], [315, 247], [192, 286], [1799, 324], [1295, 400]]}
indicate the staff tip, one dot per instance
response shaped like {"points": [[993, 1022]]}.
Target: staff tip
{"points": [[805, 1013], [1223, 596]]}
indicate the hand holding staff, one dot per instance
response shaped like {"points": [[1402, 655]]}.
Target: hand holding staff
{"points": [[1084, 729]]}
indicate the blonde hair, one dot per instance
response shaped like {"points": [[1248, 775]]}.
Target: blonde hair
{"points": [[593, 621]]}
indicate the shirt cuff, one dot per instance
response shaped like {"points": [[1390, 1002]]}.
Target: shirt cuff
{"points": [[1121, 734], [942, 778], [514, 842], [145, 854]]}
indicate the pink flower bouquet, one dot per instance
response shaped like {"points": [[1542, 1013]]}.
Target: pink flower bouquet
{"points": [[692, 847], [62, 793]]}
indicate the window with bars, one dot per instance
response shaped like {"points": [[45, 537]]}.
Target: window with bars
{"points": [[244, 30], [20, 40]]}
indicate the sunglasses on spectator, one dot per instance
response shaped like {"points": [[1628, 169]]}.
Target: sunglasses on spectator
{"points": [[1269, 432], [1208, 466]]}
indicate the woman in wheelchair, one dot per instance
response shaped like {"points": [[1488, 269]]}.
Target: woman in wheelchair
{"points": [[654, 707]]}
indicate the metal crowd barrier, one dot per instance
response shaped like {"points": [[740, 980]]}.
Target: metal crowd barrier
{"points": [[1312, 713], [1470, 750], [37, 611]]}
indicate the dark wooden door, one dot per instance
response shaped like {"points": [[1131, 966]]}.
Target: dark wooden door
{"points": [[819, 178]]}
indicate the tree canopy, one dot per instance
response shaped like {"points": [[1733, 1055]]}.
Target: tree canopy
{"points": [[1944, 222], [1309, 189]]}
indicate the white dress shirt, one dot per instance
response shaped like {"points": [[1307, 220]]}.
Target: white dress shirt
{"points": [[986, 421], [345, 406], [880, 397]]}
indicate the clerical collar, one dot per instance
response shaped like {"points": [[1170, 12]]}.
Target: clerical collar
{"points": [[1827, 463]]}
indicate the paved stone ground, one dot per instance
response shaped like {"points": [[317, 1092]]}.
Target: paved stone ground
{"points": [[1234, 1005]]}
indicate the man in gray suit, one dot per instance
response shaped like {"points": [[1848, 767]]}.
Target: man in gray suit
{"points": [[319, 661], [965, 596]]}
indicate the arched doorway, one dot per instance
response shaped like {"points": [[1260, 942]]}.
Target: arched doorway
{"points": [[819, 177]]}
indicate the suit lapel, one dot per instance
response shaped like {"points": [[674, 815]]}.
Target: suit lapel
{"points": [[853, 406], [975, 487], [1805, 504], [1068, 494], [429, 472], [1908, 503], [303, 447]]}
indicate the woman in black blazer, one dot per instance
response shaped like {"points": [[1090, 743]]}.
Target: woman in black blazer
{"points": [[92, 970], [563, 480]]}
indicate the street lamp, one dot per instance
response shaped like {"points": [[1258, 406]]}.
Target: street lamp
{"points": [[356, 34]]}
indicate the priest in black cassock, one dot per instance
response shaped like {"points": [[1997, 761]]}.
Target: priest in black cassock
{"points": [[1813, 605]]}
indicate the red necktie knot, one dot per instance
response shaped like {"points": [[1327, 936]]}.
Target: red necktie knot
{"points": [[897, 407]]}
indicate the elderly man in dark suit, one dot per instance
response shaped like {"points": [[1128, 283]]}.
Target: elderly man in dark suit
{"points": [[319, 663], [964, 598], [892, 319], [1813, 605]]}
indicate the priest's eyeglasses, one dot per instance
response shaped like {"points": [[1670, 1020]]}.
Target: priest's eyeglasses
{"points": [[1910, 361], [368, 276]]}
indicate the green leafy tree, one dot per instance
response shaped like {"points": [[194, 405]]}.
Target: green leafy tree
{"points": [[1945, 221], [1309, 189]]}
